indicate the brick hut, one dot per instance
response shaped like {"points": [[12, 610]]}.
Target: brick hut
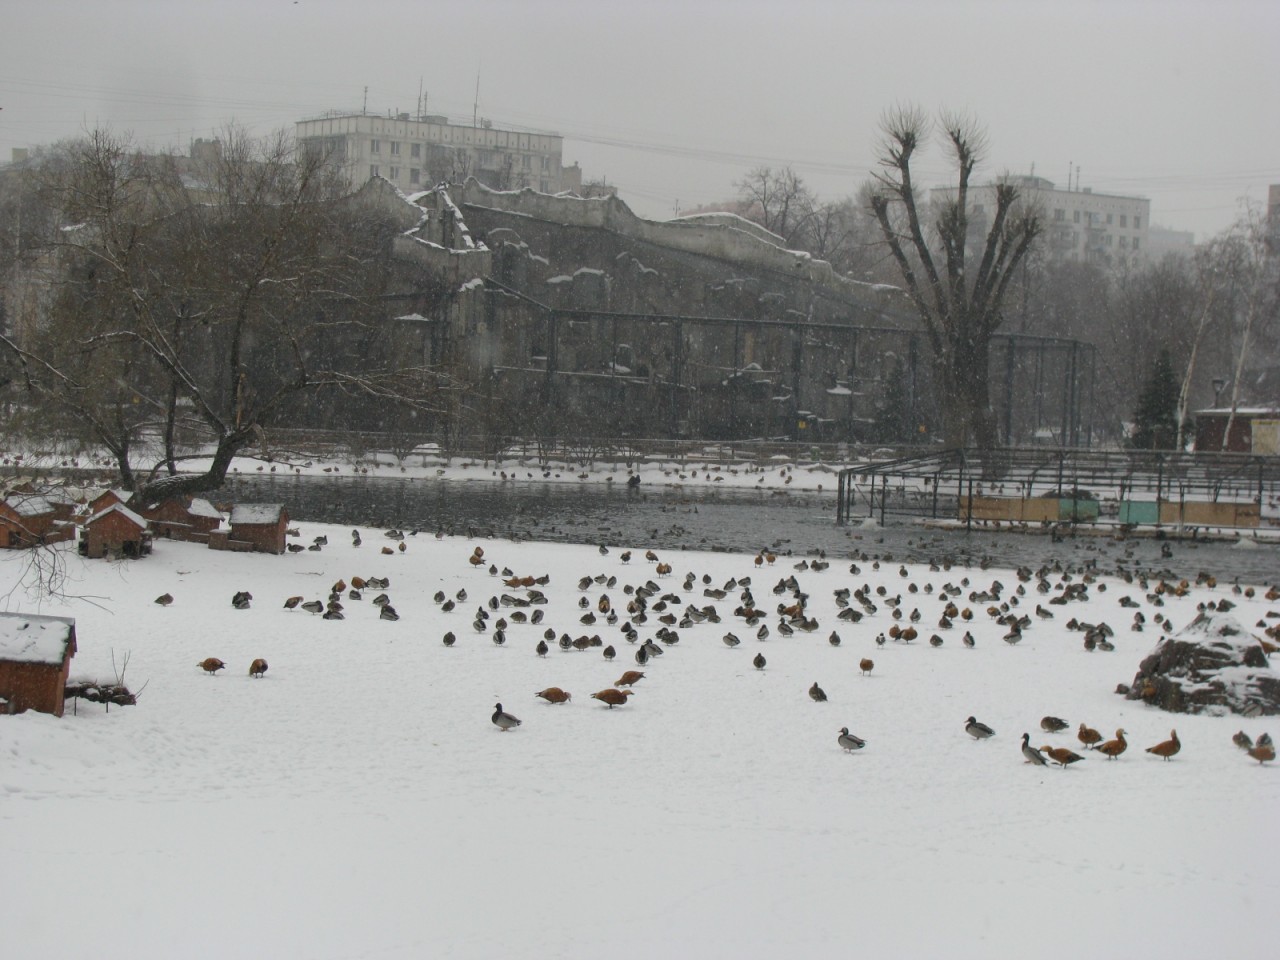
{"points": [[118, 531], [259, 527], [27, 519], [183, 518], [35, 658], [107, 498]]}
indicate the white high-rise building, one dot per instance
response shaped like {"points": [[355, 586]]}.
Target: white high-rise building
{"points": [[1081, 225], [417, 152]]}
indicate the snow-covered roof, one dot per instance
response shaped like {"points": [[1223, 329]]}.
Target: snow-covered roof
{"points": [[256, 513], [203, 508], [134, 518], [1240, 412], [34, 638], [119, 493], [29, 505]]}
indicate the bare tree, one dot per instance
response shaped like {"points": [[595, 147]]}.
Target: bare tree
{"points": [[960, 309], [1242, 260], [778, 200], [226, 292]]}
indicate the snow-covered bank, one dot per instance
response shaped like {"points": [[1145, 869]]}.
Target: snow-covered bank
{"points": [[357, 801]]}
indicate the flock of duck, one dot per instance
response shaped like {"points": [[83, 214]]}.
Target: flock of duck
{"points": [[962, 605], [647, 601]]}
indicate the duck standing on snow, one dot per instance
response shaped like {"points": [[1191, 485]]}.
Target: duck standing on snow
{"points": [[817, 694], [1062, 756], [978, 730], [1168, 747], [1031, 753], [1089, 736], [503, 721], [1113, 748], [849, 741]]}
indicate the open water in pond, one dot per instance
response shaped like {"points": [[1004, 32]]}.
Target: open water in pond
{"points": [[799, 523]]}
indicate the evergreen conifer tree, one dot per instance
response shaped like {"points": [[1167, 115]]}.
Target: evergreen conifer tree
{"points": [[1155, 424]]}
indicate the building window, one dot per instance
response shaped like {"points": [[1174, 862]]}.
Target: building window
{"points": [[1124, 241], [395, 173], [1135, 243], [1059, 214], [1075, 216], [375, 146], [415, 175], [395, 148], [1108, 219], [1137, 223], [1124, 220], [415, 150], [373, 171]]}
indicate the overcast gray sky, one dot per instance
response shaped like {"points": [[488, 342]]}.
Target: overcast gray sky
{"points": [[674, 101]]}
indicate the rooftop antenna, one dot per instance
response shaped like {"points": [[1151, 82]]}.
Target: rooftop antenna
{"points": [[475, 107], [419, 98], [364, 107], [1069, 164]]}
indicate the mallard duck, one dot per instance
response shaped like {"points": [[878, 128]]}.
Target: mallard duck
{"points": [[1242, 740], [977, 729], [817, 694], [1168, 747], [759, 661], [1031, 753], [849, 741], [167, 598], [503, 721], [1053, 724]]}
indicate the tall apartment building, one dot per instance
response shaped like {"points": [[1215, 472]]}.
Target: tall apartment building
{"points": [[1081, 225], [416, 152]]}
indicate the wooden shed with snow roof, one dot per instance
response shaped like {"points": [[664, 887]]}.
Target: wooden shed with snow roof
{"points": [[107, 497], [29, 519], [183, 518], [116, 531], [35, 659], [259, 527]]}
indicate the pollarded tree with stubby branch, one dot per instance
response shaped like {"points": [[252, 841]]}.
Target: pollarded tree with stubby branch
{"points": [[959, 307]]}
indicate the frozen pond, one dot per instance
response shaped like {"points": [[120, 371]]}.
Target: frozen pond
{"points": [[700, 518]]}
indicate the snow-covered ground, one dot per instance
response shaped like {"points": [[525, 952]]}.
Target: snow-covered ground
{"points": [[357, 802]]}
